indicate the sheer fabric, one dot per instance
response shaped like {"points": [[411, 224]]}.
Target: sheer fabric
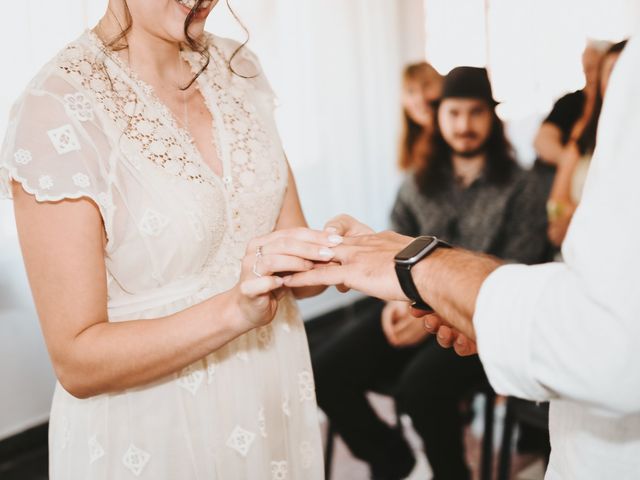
{"points": [[176, 232]]}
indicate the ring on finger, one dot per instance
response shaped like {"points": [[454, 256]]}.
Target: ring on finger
{"points": [[255, 263]]}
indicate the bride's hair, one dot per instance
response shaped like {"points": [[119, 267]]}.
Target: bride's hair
{"points": [[120, 42]]}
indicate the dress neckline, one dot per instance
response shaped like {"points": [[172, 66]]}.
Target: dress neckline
{"points": [[217, 126]]}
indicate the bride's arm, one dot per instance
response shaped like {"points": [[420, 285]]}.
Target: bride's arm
{"points": [[291, 216], [63, 249]]}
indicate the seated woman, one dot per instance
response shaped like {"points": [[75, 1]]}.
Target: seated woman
{"points": [[574, 165]]}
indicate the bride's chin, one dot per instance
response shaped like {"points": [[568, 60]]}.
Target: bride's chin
{"points": [[203, 10]]}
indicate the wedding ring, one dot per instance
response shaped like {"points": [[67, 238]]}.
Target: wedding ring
{"points": [[255, 264]]}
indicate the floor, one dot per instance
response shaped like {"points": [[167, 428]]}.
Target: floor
{"points": [[524, 467], [33, 465]]}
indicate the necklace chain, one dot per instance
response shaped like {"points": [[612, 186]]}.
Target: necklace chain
{"points": [[184, 94]]}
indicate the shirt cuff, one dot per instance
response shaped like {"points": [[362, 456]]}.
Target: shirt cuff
{"points": [[504, 322]]}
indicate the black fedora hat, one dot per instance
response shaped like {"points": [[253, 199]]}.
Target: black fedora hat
{"points": [[468, 82]]}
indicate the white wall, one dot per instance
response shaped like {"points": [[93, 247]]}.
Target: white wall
{"points": [[31, 32], [25, 372]]}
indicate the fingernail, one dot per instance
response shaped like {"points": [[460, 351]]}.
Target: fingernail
{"points": [[427, 325], [460, 341], [331, 230], [335, 239], [326, 253]]}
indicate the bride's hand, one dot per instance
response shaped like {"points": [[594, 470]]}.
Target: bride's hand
{"points": [[267, 257]]}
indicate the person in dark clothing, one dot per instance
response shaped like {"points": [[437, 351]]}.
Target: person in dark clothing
{"points": [[469, 191], [567, 118]]}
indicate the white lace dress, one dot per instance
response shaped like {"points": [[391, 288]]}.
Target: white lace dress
{"points": [[86, 127]]}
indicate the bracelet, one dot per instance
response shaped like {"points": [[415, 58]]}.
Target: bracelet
{"points": [[555, 210]]}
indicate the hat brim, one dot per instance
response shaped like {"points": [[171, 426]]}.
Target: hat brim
{"points": [[436, 103]]}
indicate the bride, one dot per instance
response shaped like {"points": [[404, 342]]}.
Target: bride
{"points": [[155, 210]]}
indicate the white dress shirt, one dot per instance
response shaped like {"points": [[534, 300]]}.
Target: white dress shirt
{"points": [[570, 332]]}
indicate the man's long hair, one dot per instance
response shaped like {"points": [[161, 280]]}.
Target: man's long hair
{"points": [[436, 170]]}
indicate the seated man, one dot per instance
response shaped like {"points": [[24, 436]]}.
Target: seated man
{"points": [[470, 192]]}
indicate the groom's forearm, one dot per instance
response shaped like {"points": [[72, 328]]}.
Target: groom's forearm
{"points": [[449, 280]]}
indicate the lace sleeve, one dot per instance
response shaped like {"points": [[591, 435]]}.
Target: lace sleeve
{"points": [[260, 80], [55, 147], [246, 64]]}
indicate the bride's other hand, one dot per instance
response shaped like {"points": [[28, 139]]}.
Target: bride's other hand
{"points": [[282, 252]]}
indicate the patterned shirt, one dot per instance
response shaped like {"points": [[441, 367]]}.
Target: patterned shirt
{"points": [[506, 220]]}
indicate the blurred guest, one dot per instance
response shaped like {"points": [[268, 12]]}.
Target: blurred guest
{"points": [[576, 157], [469, 191], [555, 131], [421, 85]]}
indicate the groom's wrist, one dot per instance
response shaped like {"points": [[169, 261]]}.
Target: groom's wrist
{"points": [[426, 272]]}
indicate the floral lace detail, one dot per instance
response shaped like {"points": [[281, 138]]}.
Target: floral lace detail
{"points": [[148, 126], [191, 378], [306, 389], [241, 440], [135, 459], [77, 105], [279, 470], [248, 141], [64, 139], [23, 157], [96, 451]]}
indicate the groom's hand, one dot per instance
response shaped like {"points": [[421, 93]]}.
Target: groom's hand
{"points": [[347, 226], [365, 263]]}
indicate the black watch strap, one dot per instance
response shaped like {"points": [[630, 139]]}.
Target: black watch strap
{"points": [[404, 265], [409, 288]]}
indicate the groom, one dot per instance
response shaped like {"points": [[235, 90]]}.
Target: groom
{"points": [[561, 332]]}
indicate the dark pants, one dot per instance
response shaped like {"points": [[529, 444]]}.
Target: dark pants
{"points": [[427, 381]]}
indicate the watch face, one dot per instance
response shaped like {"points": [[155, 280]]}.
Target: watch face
{"points": [[415, 250]]}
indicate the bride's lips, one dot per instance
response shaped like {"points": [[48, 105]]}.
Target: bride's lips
{"points": [[201, 13]]}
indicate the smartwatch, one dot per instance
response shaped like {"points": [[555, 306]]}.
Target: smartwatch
{"points": [[417, 250]]}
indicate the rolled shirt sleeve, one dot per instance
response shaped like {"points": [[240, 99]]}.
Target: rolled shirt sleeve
{"points": [[541, 336]]}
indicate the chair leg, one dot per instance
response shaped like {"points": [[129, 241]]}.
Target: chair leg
{"points": [[398, 426], [328, 450], [504, 465], [487, 438]]}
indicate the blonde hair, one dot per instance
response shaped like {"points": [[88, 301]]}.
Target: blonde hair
{"points": [[412, 132]]}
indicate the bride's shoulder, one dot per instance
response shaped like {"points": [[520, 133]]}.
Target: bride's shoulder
{"points": [[70, 65], [233, 52]]}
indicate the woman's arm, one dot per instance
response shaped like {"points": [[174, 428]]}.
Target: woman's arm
{"points": [[560, 206], [63, 249]]}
